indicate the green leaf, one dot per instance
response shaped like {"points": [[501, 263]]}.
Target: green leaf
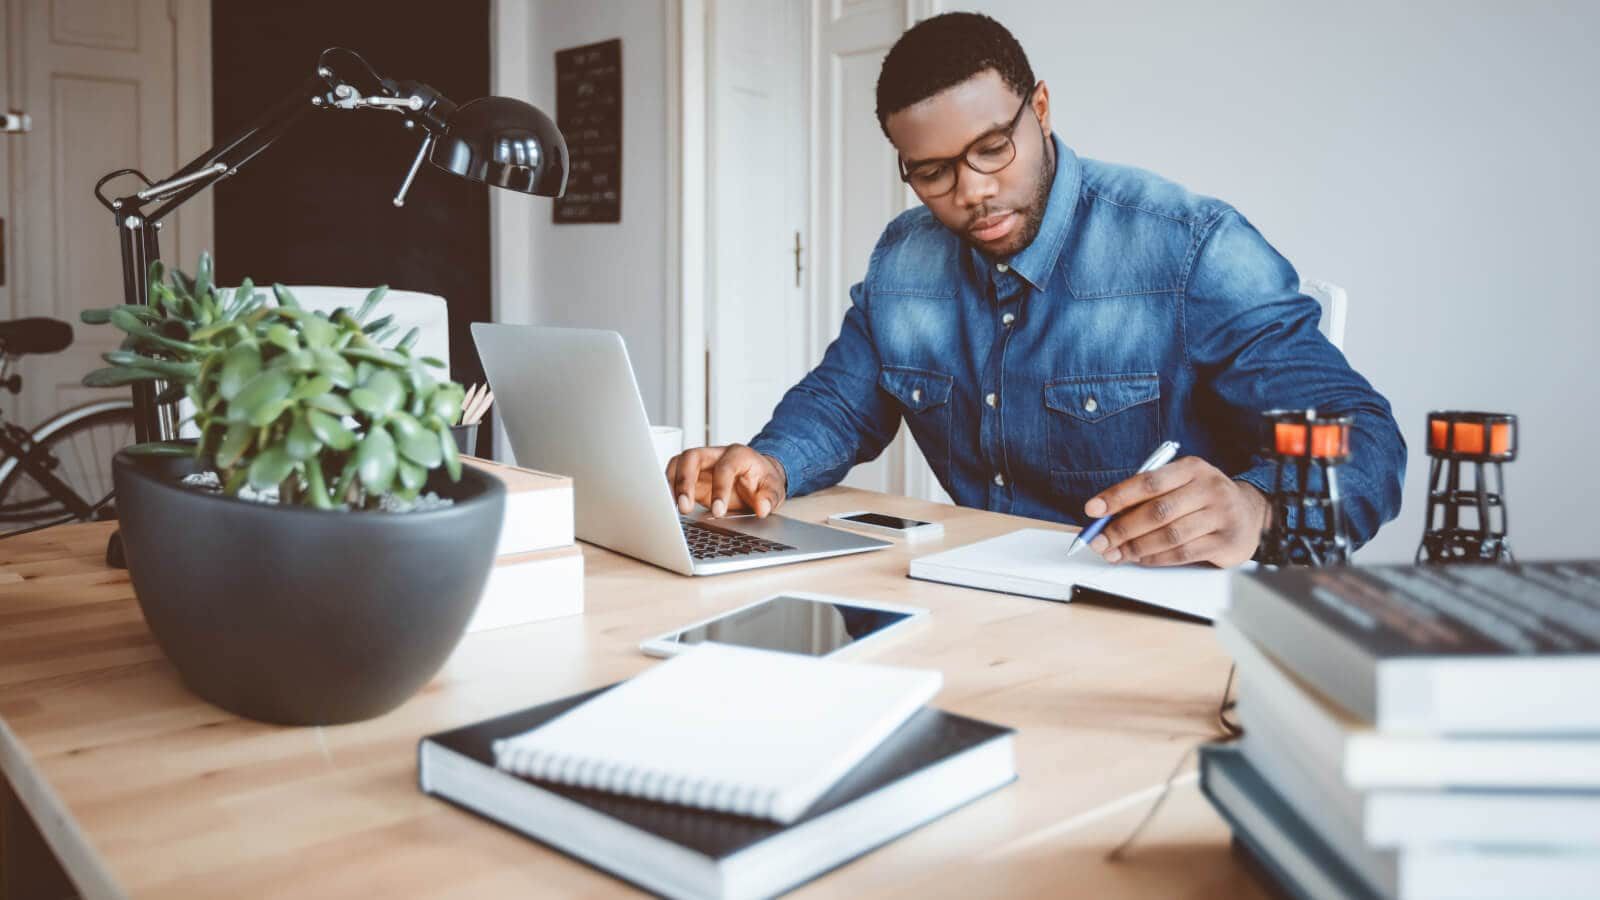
{"points": [[387, 358], [301, 442], [445, 403], [377, 325], [266, 391], [166, 368], [241, 294], [376, 461], [269, 413], [434, 361], [381, 395], [117, 377], [317, 331], [410, 340], [416, 443], [242, 363], [412, 477], [279, 334], [452, 457], [315, 386], [95, 316], [161, 448], [270, 467], [221, 326], [285, 296], [202, 277], [330, 431], [332, 403], [316, 487], [234, 443], [182, 284], [373, 298], [333, 365], [135, 326]]}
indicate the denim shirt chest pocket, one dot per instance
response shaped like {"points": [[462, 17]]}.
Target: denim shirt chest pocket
{"points": [[1099, 429], [924, 399]]}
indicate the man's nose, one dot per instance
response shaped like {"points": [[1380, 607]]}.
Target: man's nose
{"points": [[973, 188]]}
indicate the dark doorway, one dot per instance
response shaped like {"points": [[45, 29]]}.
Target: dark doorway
{"points": [[316, 208]]}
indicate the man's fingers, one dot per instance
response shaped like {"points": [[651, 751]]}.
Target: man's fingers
{"points": [[686, 483], [767, 496], [1140, 488], [723, 476], [1151, 516], [1174, 534], [1206, 549]]}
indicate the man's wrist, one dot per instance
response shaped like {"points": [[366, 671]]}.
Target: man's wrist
{"points": [[783, 474]]}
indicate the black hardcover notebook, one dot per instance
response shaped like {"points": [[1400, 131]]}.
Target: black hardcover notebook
{"points": [[933, 764]]}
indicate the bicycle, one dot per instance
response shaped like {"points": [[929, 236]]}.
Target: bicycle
{"points": [[61, 469]]}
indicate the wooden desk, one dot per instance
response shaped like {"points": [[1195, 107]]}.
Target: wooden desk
{"points": [[143, 790]]}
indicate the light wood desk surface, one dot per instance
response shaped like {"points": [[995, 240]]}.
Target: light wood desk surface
{"points": [[141, 789]]}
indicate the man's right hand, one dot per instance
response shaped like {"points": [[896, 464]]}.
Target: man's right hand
{"points": [[727, 479]]}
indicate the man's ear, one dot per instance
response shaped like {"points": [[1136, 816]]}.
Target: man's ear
{"points": [[1041, 106]]}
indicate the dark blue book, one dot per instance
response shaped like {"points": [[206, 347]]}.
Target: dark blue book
{"points": [[1297, 861], [935, 763]]}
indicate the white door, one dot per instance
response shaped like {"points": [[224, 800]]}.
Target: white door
{"points": [[99, 79], [757, 166], [856, 192]]}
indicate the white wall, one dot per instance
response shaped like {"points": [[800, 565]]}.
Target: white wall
{"points": [[1435, 158], [598, 276]]}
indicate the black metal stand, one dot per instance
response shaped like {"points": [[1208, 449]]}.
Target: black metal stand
{"points": [[1307, 526], [1480, 440]]}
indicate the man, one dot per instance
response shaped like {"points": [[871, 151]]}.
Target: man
{"points": [[1044, 321]]}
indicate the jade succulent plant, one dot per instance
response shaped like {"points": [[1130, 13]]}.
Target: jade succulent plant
{"points": [[312, 403]]}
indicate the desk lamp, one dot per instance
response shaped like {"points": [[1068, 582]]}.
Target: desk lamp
{"points": [[495, 140], [1307, 526], [1480, 439]]}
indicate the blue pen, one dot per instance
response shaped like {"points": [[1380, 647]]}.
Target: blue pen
{"points": [[1161, 457]]}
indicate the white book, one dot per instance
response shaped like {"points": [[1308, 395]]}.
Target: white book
{"points": [[1368, 758], [1397, 818], [1278, 815], [751, 732], [539, 508], [531, 587], [1033, 562]]}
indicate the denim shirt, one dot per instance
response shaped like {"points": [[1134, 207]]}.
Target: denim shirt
{"points": [[1140, 313]]}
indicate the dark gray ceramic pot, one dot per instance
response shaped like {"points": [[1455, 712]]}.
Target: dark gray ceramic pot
{"points": [[303, 616]]}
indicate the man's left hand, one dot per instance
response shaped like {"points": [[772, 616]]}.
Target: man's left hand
{"points": [[1187, 511]]}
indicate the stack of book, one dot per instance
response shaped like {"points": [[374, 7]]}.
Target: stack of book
{"points": [[1416, 731], [726, 771], [538, 570]]}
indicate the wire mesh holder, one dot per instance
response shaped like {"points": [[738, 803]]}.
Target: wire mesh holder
{"points": [[1460, 442], [1307, 526]]}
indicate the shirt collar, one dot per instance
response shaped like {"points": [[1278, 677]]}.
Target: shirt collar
{"points": [[1035, 262]]}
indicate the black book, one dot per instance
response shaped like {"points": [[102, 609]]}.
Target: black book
{"points": [[933, 764], [1465, 648]]}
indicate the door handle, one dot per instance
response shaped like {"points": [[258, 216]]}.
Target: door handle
{"points": [[15, 122]]}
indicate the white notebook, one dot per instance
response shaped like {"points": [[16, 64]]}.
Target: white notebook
{"points": [[753, 732], [1033, 562]]}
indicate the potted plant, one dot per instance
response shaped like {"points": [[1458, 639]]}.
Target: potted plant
{"points": [[329, 604]]}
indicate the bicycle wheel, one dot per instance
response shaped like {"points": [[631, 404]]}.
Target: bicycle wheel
{"points": [[77, 446]]}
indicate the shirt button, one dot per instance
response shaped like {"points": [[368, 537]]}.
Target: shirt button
{"points": [[916, 395], [1007, 319], [991, 399], [999, 479], [1001, 267], [1090, 405]]}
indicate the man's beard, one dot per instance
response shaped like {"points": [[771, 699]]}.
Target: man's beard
{"points": [[1032, 214]]}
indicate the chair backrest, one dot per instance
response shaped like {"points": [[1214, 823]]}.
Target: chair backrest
{"points": [[1335, 304]]}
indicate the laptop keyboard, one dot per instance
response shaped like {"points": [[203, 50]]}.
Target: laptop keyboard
{"points": [[711, 542]]}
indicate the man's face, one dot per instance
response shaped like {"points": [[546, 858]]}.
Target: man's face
{"points": [[998, 213]]}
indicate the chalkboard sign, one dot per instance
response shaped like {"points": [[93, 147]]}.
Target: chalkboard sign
{"points": [[589, 113]]}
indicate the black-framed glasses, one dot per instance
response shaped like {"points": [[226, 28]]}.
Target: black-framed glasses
{"points": [[987, 154]]}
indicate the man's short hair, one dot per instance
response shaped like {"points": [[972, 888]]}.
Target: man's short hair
{"points": [[942, 52]]}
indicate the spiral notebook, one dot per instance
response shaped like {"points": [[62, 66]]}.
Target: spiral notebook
{"points": [[751, 732]]}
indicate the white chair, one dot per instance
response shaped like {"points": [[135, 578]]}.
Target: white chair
{"points": [[1335, 304]]}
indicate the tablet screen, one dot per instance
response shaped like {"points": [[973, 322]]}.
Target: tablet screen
{"points": [[793, 625]]}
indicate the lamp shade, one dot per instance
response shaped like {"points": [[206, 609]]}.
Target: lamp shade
{"points": [[506, 143]]}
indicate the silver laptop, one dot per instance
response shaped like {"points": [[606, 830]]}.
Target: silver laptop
{"points": [[571, 406]]}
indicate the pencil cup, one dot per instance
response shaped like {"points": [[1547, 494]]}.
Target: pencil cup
{"points": [[466, 438]]}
